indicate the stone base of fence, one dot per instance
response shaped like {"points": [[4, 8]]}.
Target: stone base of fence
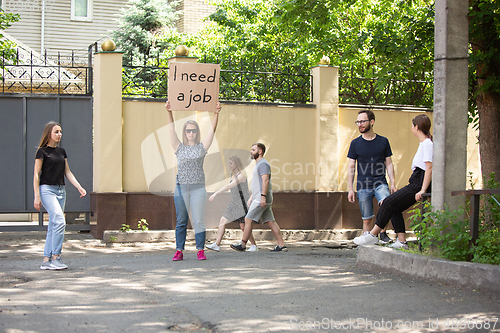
{"points": [[292, 210], [154, 236]]}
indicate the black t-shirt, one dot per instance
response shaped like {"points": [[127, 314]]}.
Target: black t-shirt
{"points": [[370, 156], [54, 163]]}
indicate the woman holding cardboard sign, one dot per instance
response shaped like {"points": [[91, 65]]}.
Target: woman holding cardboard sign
{"points": [[190, 192]]}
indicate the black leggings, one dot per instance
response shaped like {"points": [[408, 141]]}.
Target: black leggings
{"points": [[394, 205]]}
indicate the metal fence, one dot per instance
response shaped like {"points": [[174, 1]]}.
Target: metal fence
{"points": [[243, 80], [61, 74], [239, 81], [380, 90]]}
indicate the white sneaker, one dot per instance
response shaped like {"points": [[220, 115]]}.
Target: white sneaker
{"points": [[399, 245], [213, 247], [367, 239], [252, 248]]}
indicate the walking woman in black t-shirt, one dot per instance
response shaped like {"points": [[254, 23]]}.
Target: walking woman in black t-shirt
{"points": [[51, 165]]}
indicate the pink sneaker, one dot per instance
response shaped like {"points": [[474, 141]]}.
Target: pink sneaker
{"points": [[201, 255], [178, 256]]}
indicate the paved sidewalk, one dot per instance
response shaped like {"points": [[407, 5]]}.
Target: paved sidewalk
{"points": [[137, 288]]}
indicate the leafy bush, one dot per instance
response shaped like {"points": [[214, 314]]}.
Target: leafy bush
{"points": [[142, 224], [445, 233], [487, 247], [125, 228], [442, 233]]}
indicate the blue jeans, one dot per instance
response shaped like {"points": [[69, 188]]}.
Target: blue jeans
{"points": [[194, 198], [365, 197], [53, 199]]}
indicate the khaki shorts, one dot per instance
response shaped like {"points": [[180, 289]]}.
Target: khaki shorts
{"points": [[256, 213]]}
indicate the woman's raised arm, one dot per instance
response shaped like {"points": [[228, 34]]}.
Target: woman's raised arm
{"points": [[207, 142], [174, 139]]}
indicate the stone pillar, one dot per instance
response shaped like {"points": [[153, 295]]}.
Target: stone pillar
{"points": [[108, 122], [326, 98], [107, 202], [450, 103]]}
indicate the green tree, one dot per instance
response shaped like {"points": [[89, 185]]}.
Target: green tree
{"points": [[141, 27], [244, 29], [378, 40], [7, 48], [243, 36], [484, 80]]}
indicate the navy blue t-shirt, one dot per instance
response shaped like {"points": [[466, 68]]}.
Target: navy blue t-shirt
{"points": [[370, 156]]}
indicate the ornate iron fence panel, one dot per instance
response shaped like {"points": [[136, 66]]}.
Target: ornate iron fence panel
{"points": [[386, 91], [239, 81], [144, 81], [264, 82], [244, 80], [61, 74]]}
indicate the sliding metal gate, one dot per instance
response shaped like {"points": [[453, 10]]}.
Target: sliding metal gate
{"points": [[22, 119]]}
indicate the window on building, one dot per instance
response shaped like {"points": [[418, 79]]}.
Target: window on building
{"points": [[81, 10]]}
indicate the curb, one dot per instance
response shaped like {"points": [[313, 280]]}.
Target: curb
{"points": [[417, 266], [116, 236]]}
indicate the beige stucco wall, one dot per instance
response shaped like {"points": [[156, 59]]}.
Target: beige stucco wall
{"points": [[395, 124], [307, 145], [288, 133]]}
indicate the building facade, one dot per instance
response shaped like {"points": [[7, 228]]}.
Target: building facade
{"points": [[67, 25]]}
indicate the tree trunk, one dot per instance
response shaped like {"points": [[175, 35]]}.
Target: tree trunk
{"points": [[488, 105], [485, 43]]}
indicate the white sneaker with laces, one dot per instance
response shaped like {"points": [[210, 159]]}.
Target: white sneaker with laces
{"points": [[213, 247], [367, 239], [399, 245], [252, 248]]}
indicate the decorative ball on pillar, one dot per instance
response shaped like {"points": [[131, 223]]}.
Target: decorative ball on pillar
{"points": [[108, 45], [181, 51], [325, 60]]}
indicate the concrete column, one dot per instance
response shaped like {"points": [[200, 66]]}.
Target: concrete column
{"points": [[450, 103], [108, 122], [326, 98]]}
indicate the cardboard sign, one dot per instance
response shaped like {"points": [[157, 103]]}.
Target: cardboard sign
{"points": [[193, 86]]}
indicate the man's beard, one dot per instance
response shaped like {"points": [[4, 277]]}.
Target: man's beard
{"points": [[366, 129], [255, 156]]}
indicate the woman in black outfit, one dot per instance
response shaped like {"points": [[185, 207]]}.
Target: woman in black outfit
{"points": [[51, 165]]}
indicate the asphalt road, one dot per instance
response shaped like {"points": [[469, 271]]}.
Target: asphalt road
{"points": [[313, 287]]}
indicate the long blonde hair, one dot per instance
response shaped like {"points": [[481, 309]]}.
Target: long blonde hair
{"points": [[47, 131], [236, 160]]}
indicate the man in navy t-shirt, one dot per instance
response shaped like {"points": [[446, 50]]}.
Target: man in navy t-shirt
{"points": [[372, 153]]}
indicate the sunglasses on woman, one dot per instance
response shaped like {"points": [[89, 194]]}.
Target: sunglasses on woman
{"points": [[194, 130]]}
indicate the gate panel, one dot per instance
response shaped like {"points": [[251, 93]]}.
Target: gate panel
{"points": [[76, 121], [22, 120], [39, 111], [12, 148]]}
